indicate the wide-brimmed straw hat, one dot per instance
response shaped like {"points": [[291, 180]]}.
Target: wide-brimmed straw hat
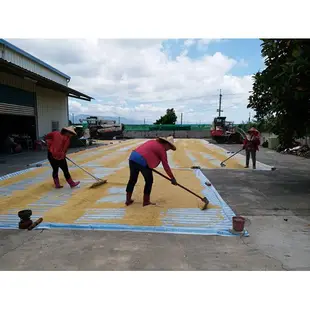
{"points": [[70, 129], [170, 141], [252, 130]]}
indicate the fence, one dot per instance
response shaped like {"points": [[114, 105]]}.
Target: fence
{"points": [[144, 128], [197, 134]]}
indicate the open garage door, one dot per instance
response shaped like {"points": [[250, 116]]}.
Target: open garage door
{"points": [[20, 127], [17, 115]]}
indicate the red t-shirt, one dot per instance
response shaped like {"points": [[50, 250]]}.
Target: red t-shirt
{"points": [[57, 144], [154, 153], [252, 144]]}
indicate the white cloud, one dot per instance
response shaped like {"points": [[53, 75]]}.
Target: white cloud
{"points": [[243, 63], [189, 42], [77, 108], [119, 73], [202, 44]]}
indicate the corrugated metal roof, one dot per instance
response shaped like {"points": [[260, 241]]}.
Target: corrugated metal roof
{"points": [[41, 81], [35, 59]]}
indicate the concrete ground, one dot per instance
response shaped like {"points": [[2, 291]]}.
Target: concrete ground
{"points": [[274, 203]]}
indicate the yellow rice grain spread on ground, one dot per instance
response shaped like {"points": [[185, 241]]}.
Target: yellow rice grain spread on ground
{"points": [[75, 203]]}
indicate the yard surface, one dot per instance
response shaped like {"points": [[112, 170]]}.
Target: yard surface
{"points": [[275, 204]]}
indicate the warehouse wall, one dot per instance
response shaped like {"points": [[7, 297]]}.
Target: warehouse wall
{"points": [[52, 107]]}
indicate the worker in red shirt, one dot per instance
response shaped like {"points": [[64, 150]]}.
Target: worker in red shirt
{"points": [[58, 144], [145, 158], [250, 144]]}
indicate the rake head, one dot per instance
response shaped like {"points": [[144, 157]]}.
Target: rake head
{"points": [[205, 205], [223, 165], [98, 183], [196, 167]]}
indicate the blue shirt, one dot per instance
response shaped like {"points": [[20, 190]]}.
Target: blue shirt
{"points": [[137, 158]]}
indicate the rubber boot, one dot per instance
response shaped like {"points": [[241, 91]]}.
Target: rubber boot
{"points": [[57, 183], [129, 201], [146, 200], [72, 183]]}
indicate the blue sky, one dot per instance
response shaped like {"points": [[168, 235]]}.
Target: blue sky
{"points": [[247, 49]]}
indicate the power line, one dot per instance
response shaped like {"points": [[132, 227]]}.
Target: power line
{"points": [[190, 98], [237, 94]]}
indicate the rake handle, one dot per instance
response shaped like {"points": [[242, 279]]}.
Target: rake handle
{"points": [[231, 156], [188, 190], [82, 169]]}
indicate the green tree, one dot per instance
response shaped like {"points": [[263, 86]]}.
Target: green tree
{"points": [[262, 125], [169, 118], [281, 92]]}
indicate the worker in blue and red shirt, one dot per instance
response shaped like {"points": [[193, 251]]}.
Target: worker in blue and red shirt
{"points": [[58, 144], [145, 158], [251, 144]]}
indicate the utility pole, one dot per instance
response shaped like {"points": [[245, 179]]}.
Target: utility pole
{"points": [[220, 104], [181, 118], [249, 117], [144, 121]]}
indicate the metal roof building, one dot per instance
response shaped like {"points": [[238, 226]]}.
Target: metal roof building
{"points": [[33, 94]]}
